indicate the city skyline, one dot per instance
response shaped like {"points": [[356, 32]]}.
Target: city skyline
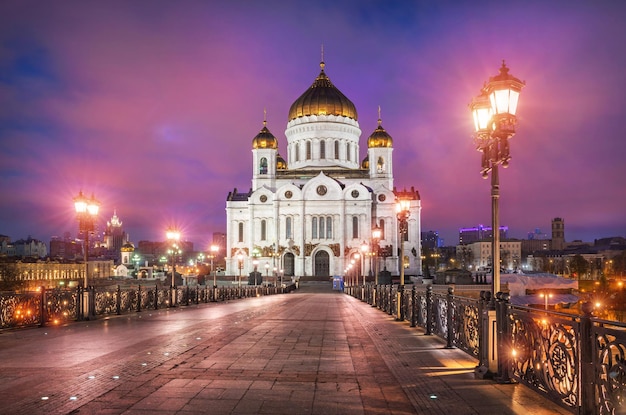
{"points": [[152, 107]]}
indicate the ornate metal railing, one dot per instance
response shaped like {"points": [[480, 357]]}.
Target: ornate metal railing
{"points": [[59, 306], [576, 361]]}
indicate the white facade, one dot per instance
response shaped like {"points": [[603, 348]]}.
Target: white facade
{"points": [[311, 214], [510, 254]]}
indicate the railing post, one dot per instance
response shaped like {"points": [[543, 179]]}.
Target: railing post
{"points": [[450, 318], [138, 298], [118, 301], [79, 303], [42, 306], [485, 312], [429, 310], [413, 307], [588, 395], [400, 303], [504, 339], [92, 302]]}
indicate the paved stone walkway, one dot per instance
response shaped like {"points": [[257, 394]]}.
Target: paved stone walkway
{"points": [[309, 352]]}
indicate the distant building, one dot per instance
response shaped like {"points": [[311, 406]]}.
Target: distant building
{"points": [[431, 240], [558, 234], [479, 233], [114, 237], [24, 248], [52, 273], [479, 254], [65, 248]]}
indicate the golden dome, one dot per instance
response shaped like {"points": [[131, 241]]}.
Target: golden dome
{"points": [[322, 98], [281, 164], [128, 247], [365, 164], [264, 139], [379, 138]]}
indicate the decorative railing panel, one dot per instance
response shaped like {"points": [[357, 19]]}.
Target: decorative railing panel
{"points": [[440, 316], [545, 350], [466, 325], [61, 306], [609, 356], [106, 302], [17, 310]]}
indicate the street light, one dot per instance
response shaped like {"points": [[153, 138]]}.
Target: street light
{"points": [[364, 249], [173, 236], [267, 272], [494, 124], [376, 235], [240, 261], [494, 114], [545, 297], [86, 213], [214, 250], [402, 213]]}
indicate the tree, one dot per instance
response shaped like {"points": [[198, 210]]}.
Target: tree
{"points": [[579, 266], [9, 277]]}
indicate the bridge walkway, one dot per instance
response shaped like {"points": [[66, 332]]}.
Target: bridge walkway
{"points": [[313, 351]]}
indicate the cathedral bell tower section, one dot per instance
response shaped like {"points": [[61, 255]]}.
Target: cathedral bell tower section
{"points": [[264, 158]]}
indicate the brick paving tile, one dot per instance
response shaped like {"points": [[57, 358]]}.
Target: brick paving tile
{"points": [[301, 353]]}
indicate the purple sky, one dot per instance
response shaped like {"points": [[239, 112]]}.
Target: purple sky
{"points": [[153, 105]]}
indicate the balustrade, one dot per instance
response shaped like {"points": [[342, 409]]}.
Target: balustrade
{"points": [[577, 361]]}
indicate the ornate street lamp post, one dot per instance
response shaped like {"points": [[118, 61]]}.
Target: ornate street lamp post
{"points": [[240, 262], [173, 236], [364, 250], [403, 212], [214, 250], [376, 235], [494, 124], [494, 113], [86, 213]]}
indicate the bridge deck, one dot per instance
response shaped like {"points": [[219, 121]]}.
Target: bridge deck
{"points": [[313, 351]]}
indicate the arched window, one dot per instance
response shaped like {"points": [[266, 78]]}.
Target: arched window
{"points": [[308, 150], [382, 229], [321, 227], [348, 155], [336, 149], [288, 228], [263, 230], [380, 165], [297, 151], [322, 149], [240, 239], [263, 166], [355, 227]]}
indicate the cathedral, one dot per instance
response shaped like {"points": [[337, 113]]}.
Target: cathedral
{"points": [[315, 212]]}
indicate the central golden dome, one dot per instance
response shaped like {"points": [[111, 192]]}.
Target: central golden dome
{"points": [[322, 98]]}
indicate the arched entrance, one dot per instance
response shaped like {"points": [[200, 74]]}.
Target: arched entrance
{"points": [[322, 264], [288, 262]]}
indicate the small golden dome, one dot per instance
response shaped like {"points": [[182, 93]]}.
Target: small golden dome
{"points": [[281, 164], [322, 98], [379, 138], [264, 139], [365, 164], [128, 247]]}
